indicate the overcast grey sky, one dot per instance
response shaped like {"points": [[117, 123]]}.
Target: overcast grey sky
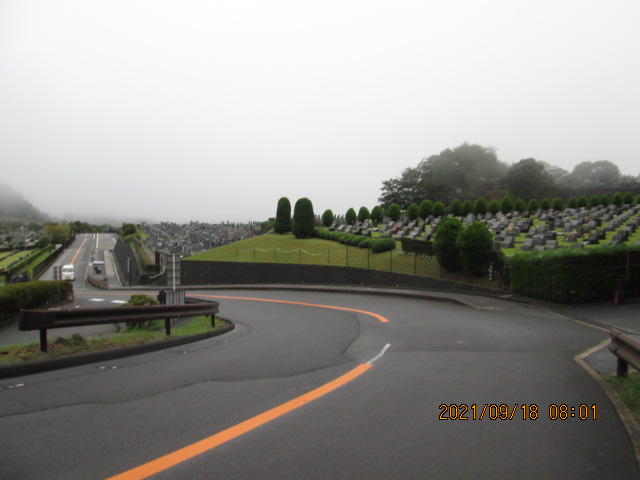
{"points": [[213, 110]]}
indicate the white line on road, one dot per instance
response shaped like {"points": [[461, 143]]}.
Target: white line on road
{"points": [[384, 349]]}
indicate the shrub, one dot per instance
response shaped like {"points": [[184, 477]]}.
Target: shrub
{"points": [[582, 201], [304, 220], [455, 208], [494, 207], [545, 204], [444, 244], [595, 201], [380, 245], [418, 247], [604, 200], [573, 202], [394, 212], [480, 207], [33, 294], [377, 214], [363, 214], [327, 218], [557, 204], [636, 200], [568, 275], [506, 206], [616, 199], [438, 209], [519, 206], [627, 198], [426, 209], [365, 242], [350, 217], [283, 216], [413, 212], [475, 247], [467, 207], [533, 205], [137, 301]]}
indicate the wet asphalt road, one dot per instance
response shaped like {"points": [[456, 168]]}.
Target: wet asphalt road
{"points": [[424, 364]]}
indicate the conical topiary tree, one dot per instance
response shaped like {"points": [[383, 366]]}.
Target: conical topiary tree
{"points": [[304, 220], [283, 216]]}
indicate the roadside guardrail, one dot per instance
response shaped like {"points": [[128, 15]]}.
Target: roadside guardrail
{"points": [[44, 320], [627, 349]]}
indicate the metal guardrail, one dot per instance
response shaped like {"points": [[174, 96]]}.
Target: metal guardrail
{"points": [[44, 320], [627, 349]]}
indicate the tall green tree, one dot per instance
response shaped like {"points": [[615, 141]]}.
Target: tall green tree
{"points": [[530, 179], [467, 171], [283, 216], [304, 220]]}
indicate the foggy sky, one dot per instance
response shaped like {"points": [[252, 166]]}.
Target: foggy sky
{"points": [[213, 110]]}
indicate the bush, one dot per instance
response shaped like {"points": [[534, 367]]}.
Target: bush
{"points": [[33, 294], [283, 216], [519, 206], [467, 207], [494, 207], [139, 300], [365, 242], [304, 220], [475, 247], [425, 209], [480, 207], [582, 201], [363, 214], [595, 201], [444, 244], [545, 204], [506, 206], [350, 217], [569, 275], [627, 198], [616, 199], [327, 218], [557, 204], [417, 247], [380, 245], [438, 209], [394, 212], [455, 208], [377, 214], [413, 212], [533, 205], [573, 202]]}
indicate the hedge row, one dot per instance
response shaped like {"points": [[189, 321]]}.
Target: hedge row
{"points": [[376, 245], [570, 275], [418, 247], [33, 295]]}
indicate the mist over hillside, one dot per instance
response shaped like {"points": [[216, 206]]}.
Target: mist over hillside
{"points": [[13, 206]]}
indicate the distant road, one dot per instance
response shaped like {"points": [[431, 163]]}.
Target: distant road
{"points": [[82, 251]]}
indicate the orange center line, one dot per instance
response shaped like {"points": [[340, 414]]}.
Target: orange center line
{"points": [[73, 260], [364, 312], [167, 461]]}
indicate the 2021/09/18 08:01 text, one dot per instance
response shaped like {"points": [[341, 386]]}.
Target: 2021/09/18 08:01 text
{"points": [[503, 411]]}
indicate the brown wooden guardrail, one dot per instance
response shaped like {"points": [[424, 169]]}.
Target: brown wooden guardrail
{"points": [[44, 320], [627, 349]]}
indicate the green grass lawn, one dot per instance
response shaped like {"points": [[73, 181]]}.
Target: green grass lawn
{"points": [[274, 248]]}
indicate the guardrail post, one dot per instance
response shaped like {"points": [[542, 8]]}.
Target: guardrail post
{"points": [[167, 326], [621, 368], [43, 340]]}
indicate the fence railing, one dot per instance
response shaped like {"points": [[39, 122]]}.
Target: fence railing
{"points": [[44, 320]]}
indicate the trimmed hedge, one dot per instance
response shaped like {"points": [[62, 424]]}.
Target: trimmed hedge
{"points": [[33, 295], [570, 275], [380, 245], [419, 247]]}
